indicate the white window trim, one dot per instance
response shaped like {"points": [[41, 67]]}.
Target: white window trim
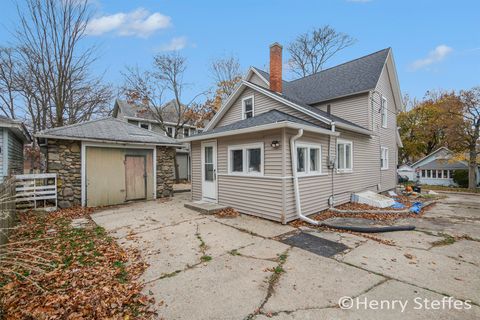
{"points": [[382, 150], [243, 106], [244, 147], [343, 141], [147, 123], [384, 113], [309, 146]]}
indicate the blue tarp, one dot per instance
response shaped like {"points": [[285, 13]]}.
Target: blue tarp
{"points": [[416, 207], [398, 205]]}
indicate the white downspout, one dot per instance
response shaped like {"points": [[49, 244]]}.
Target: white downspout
{"points": [[296, 190]]}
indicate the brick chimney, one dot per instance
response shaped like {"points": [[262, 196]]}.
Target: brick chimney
{"points": [[276, 67]]}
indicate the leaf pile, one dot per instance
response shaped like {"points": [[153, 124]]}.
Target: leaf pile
{"points": [[50, 270], [227, 213]]}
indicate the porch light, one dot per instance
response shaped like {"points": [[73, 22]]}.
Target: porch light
{"points": [[275, 144]]}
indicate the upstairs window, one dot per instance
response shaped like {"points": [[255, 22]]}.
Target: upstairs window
{"points": [[384, 112], [309, 159], [145, 125], [344, 155], [170, 131], [384, 158], [246, 159], [186, 132], [247, 107]]}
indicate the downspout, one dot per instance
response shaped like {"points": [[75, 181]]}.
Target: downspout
{"points": [[296, 189]]}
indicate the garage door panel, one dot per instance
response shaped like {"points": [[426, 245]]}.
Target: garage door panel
{"points": [[105, 176]]}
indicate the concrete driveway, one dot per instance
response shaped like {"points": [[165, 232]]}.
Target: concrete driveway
{"points": [[203, 267]]}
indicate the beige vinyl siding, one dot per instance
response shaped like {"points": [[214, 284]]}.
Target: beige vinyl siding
{"points": [[262, 104], [355, 109], [196, 165], [387, 136]]}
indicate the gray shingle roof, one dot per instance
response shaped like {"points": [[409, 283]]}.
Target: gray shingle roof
{"points": [[272, 116], [444, 164], [359, 75], [108, 129], [169, 113], [313, 109]]}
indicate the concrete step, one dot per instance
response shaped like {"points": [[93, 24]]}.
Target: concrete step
{"points": [[205, 207]]}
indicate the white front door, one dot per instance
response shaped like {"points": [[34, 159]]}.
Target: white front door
{"points": [[209, 171]]}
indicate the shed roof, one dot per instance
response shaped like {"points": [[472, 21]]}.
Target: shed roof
{"points": [[445, 164], [17, 127], [109, 130]]}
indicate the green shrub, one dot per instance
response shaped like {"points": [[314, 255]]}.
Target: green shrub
{"points": [[460, 177]]}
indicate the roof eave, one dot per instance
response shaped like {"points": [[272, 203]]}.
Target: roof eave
{"points": [[156, 121], [270, 126], [46, 136]]}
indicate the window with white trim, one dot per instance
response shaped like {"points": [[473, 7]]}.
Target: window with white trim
{"points": [[248, 110], [170, 131], [344, 155], [246, 159], [384, 112], [384, 158], [309, 159], [186, 132], [145, 125]]}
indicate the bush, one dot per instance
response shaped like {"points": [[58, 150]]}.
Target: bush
{"points": [[460, 177]]}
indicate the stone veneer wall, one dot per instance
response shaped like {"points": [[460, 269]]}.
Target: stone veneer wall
{"points": [[165, 171], [63, 158]]}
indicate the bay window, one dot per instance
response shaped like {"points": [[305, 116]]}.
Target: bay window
{"points": [[344, 155], [246, 159]]}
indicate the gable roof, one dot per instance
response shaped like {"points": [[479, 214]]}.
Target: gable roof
{"points": [[352, 77], [17, 127], [107, 130], [272, 119], [432, 154], [142, 112]]}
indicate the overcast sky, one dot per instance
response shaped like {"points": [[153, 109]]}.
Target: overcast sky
{"points": [[436, 44]]}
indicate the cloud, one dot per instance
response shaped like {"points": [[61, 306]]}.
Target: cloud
{"points": [[175, 44], [140, 23], [434, 56]]}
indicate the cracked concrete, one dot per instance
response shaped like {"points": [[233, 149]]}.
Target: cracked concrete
{"points": [[238, 281]]}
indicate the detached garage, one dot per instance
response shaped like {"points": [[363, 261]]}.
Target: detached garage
{"points": [[108, 161]]}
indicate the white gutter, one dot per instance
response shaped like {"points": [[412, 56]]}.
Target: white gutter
{"points": [[270, 126], [296, 189]]}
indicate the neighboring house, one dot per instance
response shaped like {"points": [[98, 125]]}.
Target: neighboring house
{"points": [[277, 148], [437, 168], [144, 118], [406, 170], [13, 135], [108, 161]]}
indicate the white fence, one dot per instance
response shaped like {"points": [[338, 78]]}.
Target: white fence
{"points": [[36, 191]]}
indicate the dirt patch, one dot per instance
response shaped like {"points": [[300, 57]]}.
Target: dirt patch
{"points": [[52, 270]]}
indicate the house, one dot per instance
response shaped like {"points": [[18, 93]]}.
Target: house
{"points": [[406, 170], [108, 161], [437, 168], [277, 149], [143, 117], [13, 135]]}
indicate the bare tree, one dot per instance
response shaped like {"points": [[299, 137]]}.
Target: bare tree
{"points": [[226, 73], [55, 79], [8, 87], [149, 88], [310, 50]]}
